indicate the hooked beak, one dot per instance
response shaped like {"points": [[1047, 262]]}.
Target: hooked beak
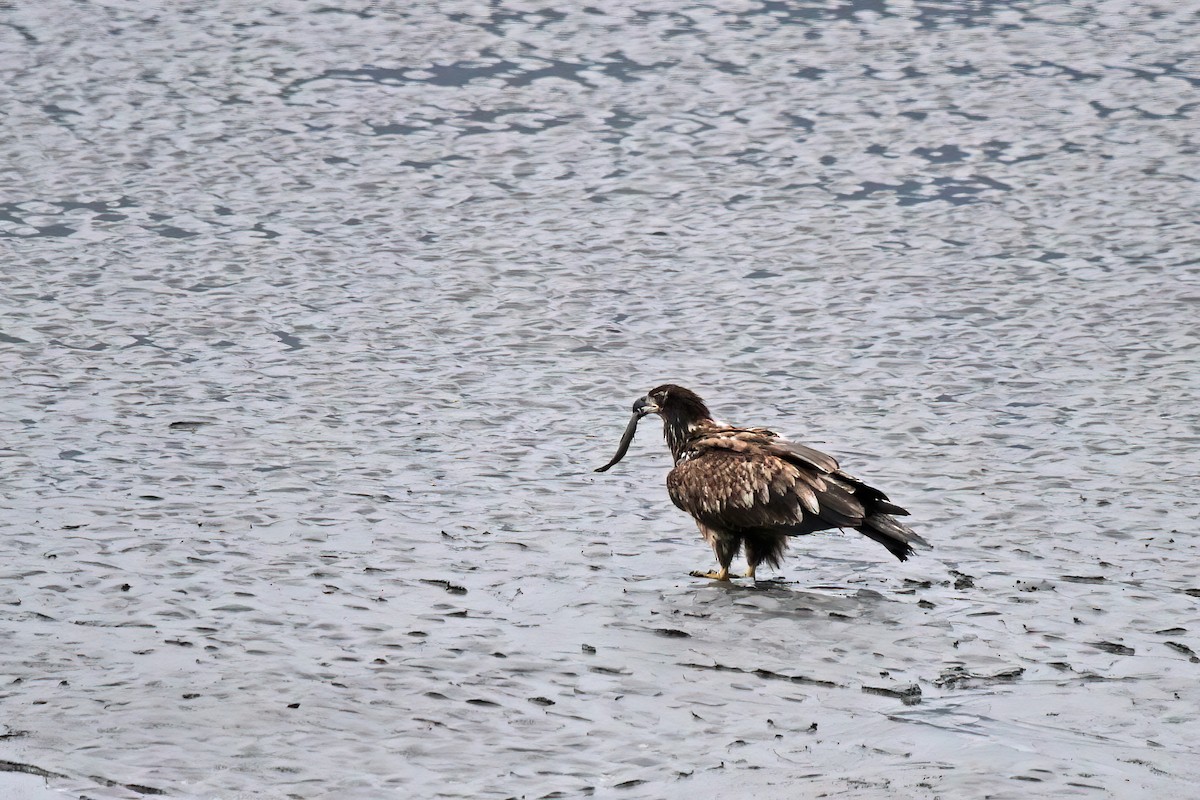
{"points": [[644, 406], [641, 408]]}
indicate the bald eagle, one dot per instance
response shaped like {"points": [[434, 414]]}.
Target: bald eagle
{"points": [[749, 488]]}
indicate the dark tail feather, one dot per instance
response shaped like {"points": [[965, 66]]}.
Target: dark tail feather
{"points": [[887, 507], [896, 537]]}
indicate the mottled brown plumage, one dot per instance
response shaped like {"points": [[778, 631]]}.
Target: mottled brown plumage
{"points": [[749, 488]]}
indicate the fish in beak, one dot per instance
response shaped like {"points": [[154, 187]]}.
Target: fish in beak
{"points": [[641, 408]]}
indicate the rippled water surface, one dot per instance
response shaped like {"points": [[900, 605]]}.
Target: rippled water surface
{"points": [[316, 318]]}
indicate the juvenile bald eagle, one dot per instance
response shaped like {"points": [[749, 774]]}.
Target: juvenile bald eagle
{"points": [[749, 488]]}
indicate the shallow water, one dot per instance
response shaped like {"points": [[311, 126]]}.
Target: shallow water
{"points": [[315, 321]]}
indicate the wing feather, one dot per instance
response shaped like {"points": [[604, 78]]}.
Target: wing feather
{"points": [[803, 454], [808, 498]]}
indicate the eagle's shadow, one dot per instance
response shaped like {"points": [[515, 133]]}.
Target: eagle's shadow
{"points": [[789, 597], [791, 586]]}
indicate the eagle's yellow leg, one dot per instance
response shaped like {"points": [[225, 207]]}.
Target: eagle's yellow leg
{"points": [[723, 575], [724, 547]]}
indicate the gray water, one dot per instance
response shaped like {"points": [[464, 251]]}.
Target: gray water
{"points": [[315, 320]]}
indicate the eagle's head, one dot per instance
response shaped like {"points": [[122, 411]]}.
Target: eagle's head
{"points": [[674, 404], [679, 408]]}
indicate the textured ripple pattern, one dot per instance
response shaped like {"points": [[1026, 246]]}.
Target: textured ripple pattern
{"points": [[314, 320]]}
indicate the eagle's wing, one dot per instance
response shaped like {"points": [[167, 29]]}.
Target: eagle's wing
{"points": [[792, 451], [740, 479], [827, 465]]}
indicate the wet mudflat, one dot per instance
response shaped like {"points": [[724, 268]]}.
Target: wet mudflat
{"points": [[315, 321]]}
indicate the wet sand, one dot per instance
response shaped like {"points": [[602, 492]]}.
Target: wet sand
{"points": [[316, 321]]}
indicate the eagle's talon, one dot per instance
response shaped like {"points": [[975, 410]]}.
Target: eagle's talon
{"points": [[723, 575]]}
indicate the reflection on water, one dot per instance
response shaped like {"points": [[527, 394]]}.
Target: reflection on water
{"points": [[315, 321]]}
